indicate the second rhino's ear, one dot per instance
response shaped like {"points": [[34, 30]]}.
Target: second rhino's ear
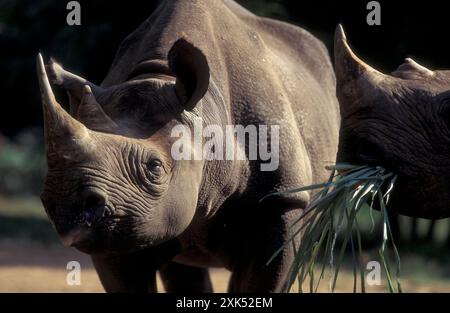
{"points": [[191, 68]]}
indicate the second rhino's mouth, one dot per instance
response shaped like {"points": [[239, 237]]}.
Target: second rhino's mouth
{"points": [[420, 198]]}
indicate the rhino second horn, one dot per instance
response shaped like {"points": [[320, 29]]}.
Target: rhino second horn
{"points": [[71, 83], [92, 115], [64, 135], [410, 69]]}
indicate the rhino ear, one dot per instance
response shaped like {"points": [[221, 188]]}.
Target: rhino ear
{"points": [[192, 72]]}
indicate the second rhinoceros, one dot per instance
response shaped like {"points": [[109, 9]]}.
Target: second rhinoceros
{"points": [[399, 121]]}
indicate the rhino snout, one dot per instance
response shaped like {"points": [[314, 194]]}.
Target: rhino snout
{"points": [[94, 208]]}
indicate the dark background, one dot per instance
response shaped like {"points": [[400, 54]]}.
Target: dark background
{"points": [[26, 27]]}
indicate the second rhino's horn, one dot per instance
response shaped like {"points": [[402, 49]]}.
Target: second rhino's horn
{"points": [[354, 78], [348, 66]]}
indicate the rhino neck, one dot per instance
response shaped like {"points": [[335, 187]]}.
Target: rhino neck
{"points": [[157, 68], [214, 109]]}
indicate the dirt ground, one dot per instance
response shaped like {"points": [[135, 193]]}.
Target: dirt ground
{"points": [[29, 267]]}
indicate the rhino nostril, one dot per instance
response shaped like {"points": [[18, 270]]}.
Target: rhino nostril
{"points": [[92, 215], [94, 208]]}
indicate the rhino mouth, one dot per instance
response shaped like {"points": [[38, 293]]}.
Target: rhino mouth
{"points": [[416, 193], [77, 236], [84, 236], [83, 228]]}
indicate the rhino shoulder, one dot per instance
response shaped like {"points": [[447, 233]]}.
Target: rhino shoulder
{"points": [[299, 44]]}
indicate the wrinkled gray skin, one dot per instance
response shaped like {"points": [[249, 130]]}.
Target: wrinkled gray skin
{"points": [[400, 121], [114, 191]]}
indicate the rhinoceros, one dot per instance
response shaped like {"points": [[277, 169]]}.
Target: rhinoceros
{"points": [[113, 189], [399, 121]]}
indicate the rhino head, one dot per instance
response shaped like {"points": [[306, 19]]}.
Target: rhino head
{"points": [[111, 183], [399, 121]]}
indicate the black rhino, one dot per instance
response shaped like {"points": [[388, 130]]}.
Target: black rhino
{"points": [[400, 121], [112, 188]]}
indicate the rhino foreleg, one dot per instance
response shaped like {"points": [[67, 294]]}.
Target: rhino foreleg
{"points": [[133, 272], [125, 273], [251, 272], [182, 278]]}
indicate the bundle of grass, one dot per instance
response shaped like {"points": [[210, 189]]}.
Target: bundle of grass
{"points": [[332, 213]]}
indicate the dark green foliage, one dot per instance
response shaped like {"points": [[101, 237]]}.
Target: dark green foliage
{"points": [[22, 164]]}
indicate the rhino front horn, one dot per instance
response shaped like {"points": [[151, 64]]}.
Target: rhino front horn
{"points": [[348, 66], [353, 76], [64, 136]]}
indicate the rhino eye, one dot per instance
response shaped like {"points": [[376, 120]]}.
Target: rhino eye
{"points": [[155, 166]]}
